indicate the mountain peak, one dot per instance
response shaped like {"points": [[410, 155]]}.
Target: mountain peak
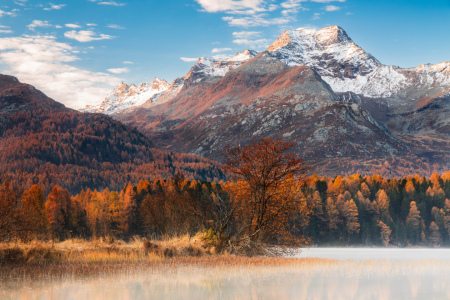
{"points": [[332, 35], [329, 51]]}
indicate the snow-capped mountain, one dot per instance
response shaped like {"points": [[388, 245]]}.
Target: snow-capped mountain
{"points": [[346, 67], [211, 67], [125, 96], [329, 51], [344, 109]]}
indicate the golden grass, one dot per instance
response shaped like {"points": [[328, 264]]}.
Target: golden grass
{"points": [[77, 258], [22, 264]]}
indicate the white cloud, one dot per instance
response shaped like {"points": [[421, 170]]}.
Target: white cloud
{"points": [[332, 8], [45, 63], [256, 20], [128, 62], [7, 13], [327, 1], [292, 7], [73, 26], [218, 50], [246, 34], [291, 4], [240, 6], [91, 24], [114, 26], [316, 16], [5, 29], [54, 6], [19, 2], [188, 59], [84, 36], [261, 43], [119, 70], [113, 3], [38, 23]]}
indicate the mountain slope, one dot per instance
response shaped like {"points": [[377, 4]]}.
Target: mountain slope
{"points": [[128, 96], [265, 97], [56, 145], [345, 110]]}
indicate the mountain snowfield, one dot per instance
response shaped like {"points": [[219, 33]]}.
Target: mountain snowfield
{"points": [[340, 62]]}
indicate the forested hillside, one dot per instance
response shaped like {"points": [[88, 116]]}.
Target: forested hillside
{"points": [[52, 144]]}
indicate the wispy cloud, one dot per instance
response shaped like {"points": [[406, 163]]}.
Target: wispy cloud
{"points": [[332, 8], [38, 23], [20, 2], [188, 59], [260, 43], [316, 16], [327, 1], [246, 34], [55, 6], [5, 29], [218, 50], [292, 7], [115, 26], [73, 26], [8, 13], [46, 64], [256, 20], [248, 38], [240, 6], [128, 62], [84, 36], [119, 70], [112, 3]]}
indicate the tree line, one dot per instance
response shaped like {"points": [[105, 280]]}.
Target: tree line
{"points": [[269, 200]]}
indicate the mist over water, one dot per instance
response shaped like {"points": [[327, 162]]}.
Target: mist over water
{"points": [[354, 274]]}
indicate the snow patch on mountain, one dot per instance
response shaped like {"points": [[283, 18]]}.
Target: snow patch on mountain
{"points": [[217, 67], [127, 96], [348, 68], [329, 51]]}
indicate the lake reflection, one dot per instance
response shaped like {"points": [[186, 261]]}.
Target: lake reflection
{"points": [[422, 277]]}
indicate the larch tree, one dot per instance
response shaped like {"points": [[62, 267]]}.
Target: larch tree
{"points": [[331, 215], [267, 192], [385, 233], [350, 212], [435, 236], [58, 210], [34, 213], [413, 222], [383, 205]]}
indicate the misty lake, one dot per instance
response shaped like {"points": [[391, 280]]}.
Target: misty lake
{"points": [[352, 273]]}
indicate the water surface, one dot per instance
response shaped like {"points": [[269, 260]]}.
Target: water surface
{"points": [[369, 273]]}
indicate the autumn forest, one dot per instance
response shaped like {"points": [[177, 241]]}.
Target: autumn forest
{"points": [[355, 210]]}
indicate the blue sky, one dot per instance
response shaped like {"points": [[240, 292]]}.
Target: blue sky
{"points": [[76, 51]]}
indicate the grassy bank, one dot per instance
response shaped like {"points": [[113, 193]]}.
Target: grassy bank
{"points": [[77, 258]]}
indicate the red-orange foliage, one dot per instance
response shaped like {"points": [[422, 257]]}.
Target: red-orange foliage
{"points": [[267, 194]]}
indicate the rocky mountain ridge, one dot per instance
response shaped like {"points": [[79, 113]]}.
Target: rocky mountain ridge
{"points": [[344, 109]]}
